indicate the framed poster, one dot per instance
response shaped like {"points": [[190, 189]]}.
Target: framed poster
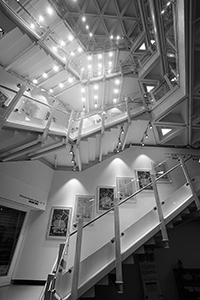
{"points": [[59, 222], [105, 197], [4, 98], [84, 208], [160, 169], [143, 179], [125, 187]]}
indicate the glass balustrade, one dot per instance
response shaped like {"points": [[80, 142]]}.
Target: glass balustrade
{"points": [[139, 220]]}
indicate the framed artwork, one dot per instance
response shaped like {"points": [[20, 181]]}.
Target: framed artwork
{"points": [[160, 169], [4, 98], [84, 208], [59, 222], [125, 187], [144, 178], [105, 197]]}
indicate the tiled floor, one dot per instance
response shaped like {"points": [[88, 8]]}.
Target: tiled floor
{"points": [[20, 292]]}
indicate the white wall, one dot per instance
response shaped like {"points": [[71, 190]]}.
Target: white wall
{"points": [[27, 183], [38, 253]]}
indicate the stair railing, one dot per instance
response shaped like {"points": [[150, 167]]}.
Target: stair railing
{"points": [[59, 268]]}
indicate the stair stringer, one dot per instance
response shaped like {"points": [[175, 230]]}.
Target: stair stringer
{"points": [[133, 239]]}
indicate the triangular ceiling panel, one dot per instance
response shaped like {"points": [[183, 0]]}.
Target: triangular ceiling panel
{"points": [[91, 8], [100, 30], [175, 141], [118, 30], [127, 24], [176, 116], [110, 23], [167, 133], [110, 9], [130, 11], [121, 3], [100, 3]]}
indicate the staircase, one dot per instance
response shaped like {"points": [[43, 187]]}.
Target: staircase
{"points": [[140, 231]]}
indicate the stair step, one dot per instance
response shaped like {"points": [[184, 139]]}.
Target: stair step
{"points": [[129, 260], [103, 281], [140, 250], [89, 294]]}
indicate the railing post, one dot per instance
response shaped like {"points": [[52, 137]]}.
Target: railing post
{"points": [[119, 279], [187, 176], [75, 277], [159, 208]]}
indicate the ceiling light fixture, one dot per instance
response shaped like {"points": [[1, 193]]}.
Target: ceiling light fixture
{"points": [[41, 19], [70, 38], [83, 18], [56, 68], [49, 10], [45, 75], [51, 91], [61, 85], [35, 81]]}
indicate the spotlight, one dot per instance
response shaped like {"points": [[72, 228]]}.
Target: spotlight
{"points": [[71, 151]]}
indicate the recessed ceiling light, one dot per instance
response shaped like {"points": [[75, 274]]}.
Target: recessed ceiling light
{"points": [[89, 66], [117, 81], [115, 100], [64, 58], [54, 48], [35, 81], [55, 68], [83, 90], [49, 10], [99, 56], [90, 34], [41, 18], [83, 19], [72, 53], [70, 79], [87, 26], [62, 43], [89, 57], [51, 91], [109, 71], [110, 54], [100, 65], [96, 87], [110, 63], [116, 91], [111, 37], [83, 99], [61, 85], [95, 96], [80, 49], [32, 26], [45, 75], [96, 105], [118, 37], [70, 38]]}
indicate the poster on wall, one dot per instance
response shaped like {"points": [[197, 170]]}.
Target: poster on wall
{"points": [[125, 188], [84, 208], [105, 198], [160, 169], [144, 179], [59, 222]]}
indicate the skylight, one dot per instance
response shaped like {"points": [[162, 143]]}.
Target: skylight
{"points": [[165, 130]]}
